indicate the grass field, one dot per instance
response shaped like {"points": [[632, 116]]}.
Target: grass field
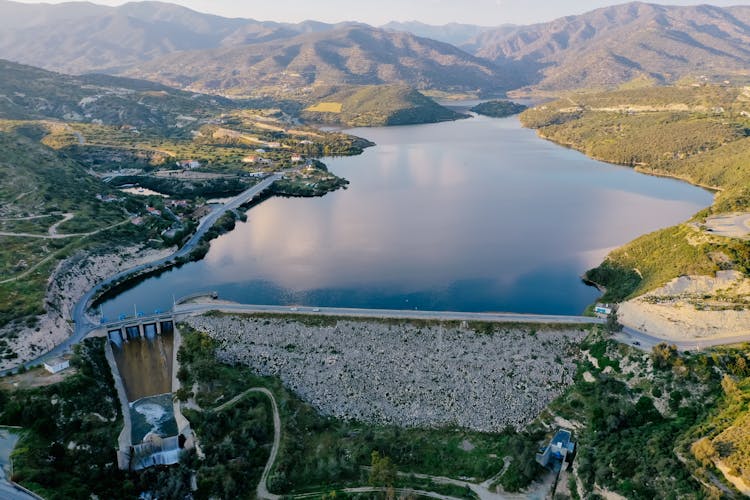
{"points": [[326, 107]]}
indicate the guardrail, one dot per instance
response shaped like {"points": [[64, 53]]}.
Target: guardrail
{"points": [[132, 320]]}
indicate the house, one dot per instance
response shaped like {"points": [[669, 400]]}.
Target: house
{"points": [[189, 164], [603, 309], [558, 452], [136, 221], [56, 365], [153, 211], [178, 203], [297, 158], [260, 150], [106, 198], [250, 159]]}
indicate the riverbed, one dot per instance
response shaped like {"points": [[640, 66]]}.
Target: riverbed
{"points": [[473, 215]]}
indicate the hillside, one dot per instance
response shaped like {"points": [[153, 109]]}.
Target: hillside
{"points": [[79, 37], [699, 134], [32, 93], [377, 106], [37, 187], [614, 45], [356, 55]]}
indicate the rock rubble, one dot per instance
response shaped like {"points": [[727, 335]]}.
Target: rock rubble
{"points": [[405, 374]]}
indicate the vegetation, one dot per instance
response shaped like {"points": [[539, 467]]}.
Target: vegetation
{"points": [[634, 408], [377, 106], [695, 133], [723, 438], [323, 453], [498, 109], [69, 142], [35, 181]]}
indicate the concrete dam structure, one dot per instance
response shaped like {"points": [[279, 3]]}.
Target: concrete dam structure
{"points": [[142, 356]]}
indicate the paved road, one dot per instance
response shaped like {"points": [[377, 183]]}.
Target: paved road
{"points": [[83, 326], [8, 441], [642, 340], [386, 313], [646, 341]]}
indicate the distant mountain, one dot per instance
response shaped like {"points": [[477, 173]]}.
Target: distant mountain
{"points": [[614, 45], [80, 37], [351, 54], [32, 93], [453, 33]]}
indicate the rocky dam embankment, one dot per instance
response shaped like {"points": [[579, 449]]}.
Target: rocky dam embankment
{"points": [[405, 373]]}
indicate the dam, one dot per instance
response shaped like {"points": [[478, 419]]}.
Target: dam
{"points": [[142, 356]]}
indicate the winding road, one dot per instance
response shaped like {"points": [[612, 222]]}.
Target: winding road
{"points": [[84, 326], [262, 490]]}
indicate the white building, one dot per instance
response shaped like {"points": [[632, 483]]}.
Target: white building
{"points": [[56, 365]]}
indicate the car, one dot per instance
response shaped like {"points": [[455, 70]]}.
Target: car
{"points": [[316, 309], [636, 343], [294, 308]]}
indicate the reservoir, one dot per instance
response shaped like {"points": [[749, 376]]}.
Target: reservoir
{"points": [[473, 215]]}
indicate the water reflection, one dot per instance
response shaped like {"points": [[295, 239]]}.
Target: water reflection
{"points": [[475, 215]]}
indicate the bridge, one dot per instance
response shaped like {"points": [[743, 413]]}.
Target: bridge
{"points": [[139, 326]]}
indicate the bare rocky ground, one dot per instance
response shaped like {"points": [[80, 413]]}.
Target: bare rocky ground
{"points": [[405, 374], [70, 280], [693, 307]]}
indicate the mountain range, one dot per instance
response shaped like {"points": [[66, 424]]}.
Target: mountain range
{"points": [[605, 48]]}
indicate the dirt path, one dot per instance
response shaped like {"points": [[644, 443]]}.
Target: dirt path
{"points": [[53, 228], [482, 490], [30, 217], [52, 255], [262, 490]]}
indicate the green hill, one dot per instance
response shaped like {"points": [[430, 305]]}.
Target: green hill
{"points": [[377, 106], [38, 186], [699, 134], [498, 109]]}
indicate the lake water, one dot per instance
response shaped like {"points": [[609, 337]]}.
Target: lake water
{"points": [[473, 215]]}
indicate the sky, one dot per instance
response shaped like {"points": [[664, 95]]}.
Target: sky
{"points": [[376, 12]]}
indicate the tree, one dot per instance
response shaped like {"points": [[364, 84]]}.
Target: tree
{"points": [[383, 472], [613, 326], [704, 451], [663, 355]]}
